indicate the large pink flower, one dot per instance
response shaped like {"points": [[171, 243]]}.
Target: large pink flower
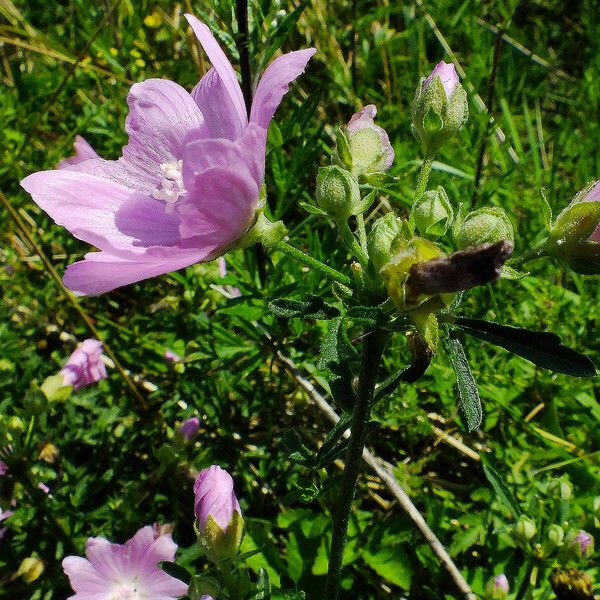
{"points": [[127, 570], [186, 188]]}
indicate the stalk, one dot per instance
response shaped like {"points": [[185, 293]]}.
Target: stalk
{"points": [[371, 357], [423, 178]]}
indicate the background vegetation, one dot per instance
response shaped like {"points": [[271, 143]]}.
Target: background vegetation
{"points": [[66, 67]]}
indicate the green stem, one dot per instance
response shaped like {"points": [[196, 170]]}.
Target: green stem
{"points": [[534, 254], [229, 580], [308, 260], [371, 357], [362, 233], [423, 178], [352, 243]]}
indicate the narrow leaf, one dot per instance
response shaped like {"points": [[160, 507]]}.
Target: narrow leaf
{"points": [[312, 308], [501, 490]]}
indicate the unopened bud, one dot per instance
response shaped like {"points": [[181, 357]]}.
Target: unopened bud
{"points": [[497, 588], [440, 107], [54, 388], [381, 239], [432, 213], [338, 193], [484, 226], [30, 569], [579, 544], [525, 529], [575, 234], [556, 536], [560, 489]]}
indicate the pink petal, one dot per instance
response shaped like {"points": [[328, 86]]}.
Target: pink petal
{"points": [[221, 117], [275, 82], [164, 587], [83, 151], [221, 64], [102, 212], [83, 577], [102, 272], [220, 206]]}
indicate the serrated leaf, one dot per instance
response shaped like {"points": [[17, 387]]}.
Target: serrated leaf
{"points": [[540, 347], [312, 308], [468, 394]]}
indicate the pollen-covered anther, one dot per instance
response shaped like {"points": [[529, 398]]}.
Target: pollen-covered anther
{"points": [[171, 185]]}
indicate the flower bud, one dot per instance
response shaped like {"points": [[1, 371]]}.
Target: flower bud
{"points": [[579, 544], [30, 569], [432, 213], [338, 193], [381, 238], [439, 108], [524, 530], [188, 430], [561, 489], [485, 225], [219, 517], [556, 536], [364, 147], [575, 234], [497, 588]]}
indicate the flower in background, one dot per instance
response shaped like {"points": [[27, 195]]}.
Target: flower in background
{"points": [[497, 587], [187, 186], [30, 569], [127, 570], [43, 487], [220, 522], [171, 356], [189, 428], [3, 468], [4, 514], [85, 366]]}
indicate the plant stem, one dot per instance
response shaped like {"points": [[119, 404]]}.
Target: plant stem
{"points": [[371, 357], [308, 260], [423, 178], [352, 243]]}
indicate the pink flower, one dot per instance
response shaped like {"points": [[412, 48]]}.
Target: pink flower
{"points": [[171, 356], [124, 571], [447, 74], [3, 468], [186, 188], [43, 487], [501, 583], [189, 428], [584, 543], [83, 151], [4, 515], [364, 119], [85, 365], [214, 496]]}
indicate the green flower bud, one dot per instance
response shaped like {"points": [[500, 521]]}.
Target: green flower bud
{"points": [[561, 489], [524, 530], [54, 388], [381, 239], [338, 193], [439, 108], [497, 588], [485, 225], [579, 544], [432, 213], [574, 237], [556, 535]]}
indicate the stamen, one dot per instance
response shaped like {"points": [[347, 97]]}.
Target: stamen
{"points": [[171, 186]]}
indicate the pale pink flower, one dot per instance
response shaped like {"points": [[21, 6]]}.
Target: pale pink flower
{"points": [[43, 487], [186, 188], [3, 468], [447, 74], [214, 496], [4, 515], [85, 366], [125, 571], [583, 543], [189, 428], [171, 356]]}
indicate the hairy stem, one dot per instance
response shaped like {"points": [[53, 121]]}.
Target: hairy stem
{"points": [[423, 178], [310, 261], [371, 357], [352, 243]]}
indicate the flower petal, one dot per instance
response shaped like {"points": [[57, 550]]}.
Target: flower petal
{"points": [[83, 151], [102, 272], [274, 84], [103, 212], [221, 117], [219, 207], [83, 577], [221, 64]]}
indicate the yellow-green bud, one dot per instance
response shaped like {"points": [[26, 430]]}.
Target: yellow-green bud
{"points": [[560, 489], [338, 193], [380, 243], [497, 588], [439, 108], [524, 530], [432, 213], [485, 225], [556, 536]]}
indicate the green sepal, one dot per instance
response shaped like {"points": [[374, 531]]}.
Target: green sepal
{"points": [[219, 544], [55, 389]]}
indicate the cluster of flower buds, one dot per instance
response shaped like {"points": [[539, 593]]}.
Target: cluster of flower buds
{"points": [[440, 107]]}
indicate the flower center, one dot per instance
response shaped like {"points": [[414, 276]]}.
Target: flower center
{"points": [[126, 592], [171, 185]]}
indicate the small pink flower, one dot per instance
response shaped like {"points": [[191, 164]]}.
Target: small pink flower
{"points": [[214, 496], [447, 74], [584, 543], [125, 571], [189, 428], [171, 356], [501, 583], [43, 487], [3, 468], [85, 365], [364, 119]]}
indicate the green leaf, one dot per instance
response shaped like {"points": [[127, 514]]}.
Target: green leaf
{"points": [[542, 348], [391, 563], [332, 448], [312, 209], [468, 395], [501, 490], [312, 308]]}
